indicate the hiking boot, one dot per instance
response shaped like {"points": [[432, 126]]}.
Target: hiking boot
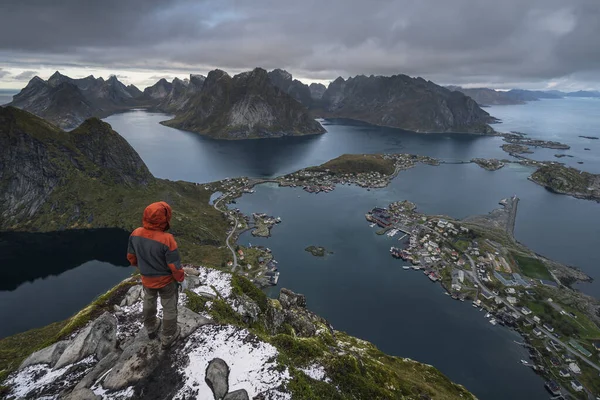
{"points": [[167, 341], [153, 332]]}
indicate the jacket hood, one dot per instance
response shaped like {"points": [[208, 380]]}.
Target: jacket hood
{"points": [[157, 216]]}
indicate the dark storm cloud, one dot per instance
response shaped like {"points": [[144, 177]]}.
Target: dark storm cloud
{"points": [[25, 75], [457, 41]]}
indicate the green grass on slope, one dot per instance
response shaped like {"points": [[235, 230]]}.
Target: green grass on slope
{"points": [[532, 267], [357, 163]]}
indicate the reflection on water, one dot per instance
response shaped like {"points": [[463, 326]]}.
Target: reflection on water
{"points": [[47, 277]]}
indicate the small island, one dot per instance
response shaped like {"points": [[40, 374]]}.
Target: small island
{"points": [[263, 224], [566, 180], [516, 149], [490, 165], [317, 251], [563, 155], [589, 137]]}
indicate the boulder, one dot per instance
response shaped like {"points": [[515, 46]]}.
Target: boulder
{"points": [[99, 338], [99, 369], [189, 321], [289, 299], [301, 322], [217, 378], [193, 281], [191, 271], [237, 395], [135, 363], [134, 294], [247, 309], [48, 355], [275, 318], [82, 394]]}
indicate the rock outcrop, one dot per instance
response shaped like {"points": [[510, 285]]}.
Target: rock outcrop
{"points": [[218, 356], [159, 90], [67, 102], [403, 102], [245, 106]]}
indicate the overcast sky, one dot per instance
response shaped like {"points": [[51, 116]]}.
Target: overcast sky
{"points": [[496, 43]]}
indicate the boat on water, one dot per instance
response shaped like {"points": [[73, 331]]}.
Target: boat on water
{"points": [[488, 315], [493, 321], [416, 267], [406, 267], [524, 362]]}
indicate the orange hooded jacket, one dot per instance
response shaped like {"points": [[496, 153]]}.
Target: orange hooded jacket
{"points": [[153, 250]]}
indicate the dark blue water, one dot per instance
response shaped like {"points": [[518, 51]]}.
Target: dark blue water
{"points": [[47, 277], [561, 120], [176, 154], [360, 289]]}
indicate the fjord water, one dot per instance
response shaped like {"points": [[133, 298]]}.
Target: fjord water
{"points": [[561, 120], [48, 277]]}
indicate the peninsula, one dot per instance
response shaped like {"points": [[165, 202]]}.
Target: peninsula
{"points": [[478, 259]]}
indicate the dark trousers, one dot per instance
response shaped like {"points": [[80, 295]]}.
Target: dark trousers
{"points": [[168, 299]]}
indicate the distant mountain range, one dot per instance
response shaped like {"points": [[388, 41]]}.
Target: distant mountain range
{"points": [[260, 104], [67, 102], [489, 97]]}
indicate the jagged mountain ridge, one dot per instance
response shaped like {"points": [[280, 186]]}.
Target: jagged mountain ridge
{"points": [[247, 105], [67, 102], [403, 102], [181, 92], [298, 90]]}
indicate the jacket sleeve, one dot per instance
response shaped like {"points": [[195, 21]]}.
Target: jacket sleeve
{"points": [[131, 253], [174, 260]]}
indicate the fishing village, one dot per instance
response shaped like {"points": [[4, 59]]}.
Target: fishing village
{"points": [[505, 287]]}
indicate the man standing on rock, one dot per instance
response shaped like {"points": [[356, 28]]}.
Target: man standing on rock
{"points": [[154, 252]]}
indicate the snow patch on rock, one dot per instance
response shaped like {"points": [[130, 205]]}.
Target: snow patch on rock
{"points": [[252, 363], [41, 381], [211, 278], [317, 372]]}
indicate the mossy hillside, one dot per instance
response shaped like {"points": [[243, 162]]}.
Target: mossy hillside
{"points": [[357, 163], [92, 178]]}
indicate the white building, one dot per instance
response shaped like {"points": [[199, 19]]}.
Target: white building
{"points": [[511, 300], [575, 368]]}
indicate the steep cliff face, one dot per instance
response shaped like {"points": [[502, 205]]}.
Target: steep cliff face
{"points": [[298, 90], [37, 159], [317, 90], [404, 102], [159, 90], [245, 106], [67, 102], [181, 92]]}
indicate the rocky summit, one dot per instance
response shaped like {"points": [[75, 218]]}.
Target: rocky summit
{"points": [[245, 106], [235, 344], [403, 102], [180, 93], [298, 90], [67, 102]]}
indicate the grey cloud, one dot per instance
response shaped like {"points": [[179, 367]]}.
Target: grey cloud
{"points": [[460, 41], [3, 73], [25, 75]]}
